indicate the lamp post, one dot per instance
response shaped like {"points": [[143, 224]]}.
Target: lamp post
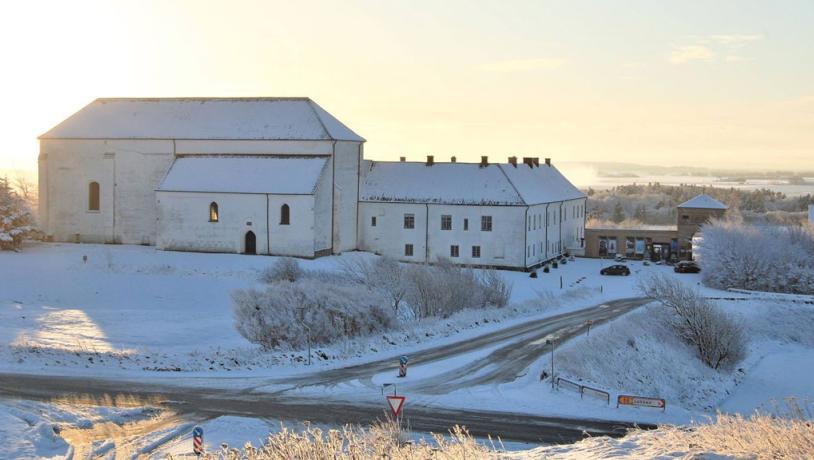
{"points": [[551, 342]]}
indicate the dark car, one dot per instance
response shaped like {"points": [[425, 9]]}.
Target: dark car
{"points": [[615, 270], [687, 266]]}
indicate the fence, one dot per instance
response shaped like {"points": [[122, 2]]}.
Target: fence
{"points": [[584, 389]]}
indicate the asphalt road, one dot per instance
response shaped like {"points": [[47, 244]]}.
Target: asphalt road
{"points": [[513, 350]]}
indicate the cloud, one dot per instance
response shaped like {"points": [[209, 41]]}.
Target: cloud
{"points": [[685, 54], [736, 40], [523, 65], [734, 59]]}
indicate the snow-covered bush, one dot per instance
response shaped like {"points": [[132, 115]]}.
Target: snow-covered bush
{"points": [[285, 269], [16, 221], [289, 313], [718, 338], [444, 288], [763, 258], [383, 274]]}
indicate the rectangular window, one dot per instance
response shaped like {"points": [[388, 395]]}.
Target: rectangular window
{"points": [[446, 222], [453, 251], [486, 223], [373, 221], [528, 224], [476, 252], [408, 250], [409, 221], [466, 224]]}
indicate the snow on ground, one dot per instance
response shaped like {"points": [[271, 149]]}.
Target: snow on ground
{"points": [[135, 312]]}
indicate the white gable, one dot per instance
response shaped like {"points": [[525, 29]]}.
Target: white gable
{"points": [[450, 183], [703, 202], [244, 174], [203, 118], [540, 184]]}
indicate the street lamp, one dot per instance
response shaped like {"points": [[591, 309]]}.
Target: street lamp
{"points": [[551, 342]]}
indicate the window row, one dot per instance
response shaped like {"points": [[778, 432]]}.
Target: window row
{"points": [[535, 221], [285, 213], [446, 222], [533, 250], [454, 251]]}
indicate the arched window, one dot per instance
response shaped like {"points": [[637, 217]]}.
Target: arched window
{"points": [[93, 196], [213, 212], [284, 215]]}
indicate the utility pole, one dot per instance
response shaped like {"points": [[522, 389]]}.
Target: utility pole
{"points": [[551, 342]]}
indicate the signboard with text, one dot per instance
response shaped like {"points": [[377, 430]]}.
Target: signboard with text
{"points": [[627, 400]]}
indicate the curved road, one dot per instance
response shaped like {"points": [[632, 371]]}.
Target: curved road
{"points": [[513, 350]]}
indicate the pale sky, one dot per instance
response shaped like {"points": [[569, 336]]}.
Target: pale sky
{"points": [[706, 83]]}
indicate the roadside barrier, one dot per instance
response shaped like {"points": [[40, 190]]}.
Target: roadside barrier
{"points": [[584, 389]]}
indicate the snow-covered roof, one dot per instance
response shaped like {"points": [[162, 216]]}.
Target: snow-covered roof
{"points": [[702, 201], [244, 174], [540, 184], [203, 118], [465, 183]]}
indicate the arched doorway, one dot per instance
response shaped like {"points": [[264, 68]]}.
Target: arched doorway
{"points": [[250, 244]]}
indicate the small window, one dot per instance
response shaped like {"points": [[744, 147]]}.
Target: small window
{"points": [[476, 252], [93, 196], [373, 221], [466, 224], [285, 214], [409, 221], [446, 222], [684, 217], [486, 223], [408, 250], [213, 212], [453, 251]]}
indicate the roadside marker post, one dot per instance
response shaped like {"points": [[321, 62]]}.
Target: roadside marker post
{"points": [[403, 366], [197, 441]]}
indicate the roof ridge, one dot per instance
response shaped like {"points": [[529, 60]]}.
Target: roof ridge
{"points": [[202, 98], [321, 122]]}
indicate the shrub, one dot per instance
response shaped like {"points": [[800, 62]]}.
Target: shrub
{"points": [[384, 274], [287, 313], [718, 338], [285, 269], [16, 221]]}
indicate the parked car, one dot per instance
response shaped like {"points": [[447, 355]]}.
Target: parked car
{"points": [[687, 266], [620, 258], [615, 270]]}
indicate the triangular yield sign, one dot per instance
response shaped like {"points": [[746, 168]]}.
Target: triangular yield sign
{"points": [[395, 403]]}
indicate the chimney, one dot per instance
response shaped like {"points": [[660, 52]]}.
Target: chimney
{"points": [[430, 160], [528, 161], [402, 159], [484, 161], [548, 161], [536, 161], [513, 161], [453, 159]]}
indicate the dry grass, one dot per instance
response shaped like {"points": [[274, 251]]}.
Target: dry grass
{"points": [[380, 441], [786, 435]]}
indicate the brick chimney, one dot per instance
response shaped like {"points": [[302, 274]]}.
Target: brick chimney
{"points": [[528, 161], [430, 160], [536, 161], [453, 159], [484, 161], [548, 161], [513, 161], [402, 159]]}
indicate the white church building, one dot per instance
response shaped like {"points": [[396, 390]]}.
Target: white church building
{"points": [[281, 176]]}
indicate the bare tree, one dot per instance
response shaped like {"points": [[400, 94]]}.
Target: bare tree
{"points": [[718, 338], [27, 190]]}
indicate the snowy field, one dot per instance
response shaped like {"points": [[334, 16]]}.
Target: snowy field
{"points": [[132, 312]]}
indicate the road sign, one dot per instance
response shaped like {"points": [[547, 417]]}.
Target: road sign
{"points": [[396, 403], [628, 400], [197, 440]]}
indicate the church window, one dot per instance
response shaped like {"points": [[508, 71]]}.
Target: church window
{"points": [[213, 212], [284, 215], [93, 196]]}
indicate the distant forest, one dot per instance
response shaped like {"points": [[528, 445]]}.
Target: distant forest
{"points": [[655, 204]]}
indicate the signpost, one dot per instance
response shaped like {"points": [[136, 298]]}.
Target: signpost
{"points": [[403, 366], [627, 400], [197, 441], [396, 403]]}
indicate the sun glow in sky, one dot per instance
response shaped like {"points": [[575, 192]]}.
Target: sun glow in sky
{"points": [[724, 83]]}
